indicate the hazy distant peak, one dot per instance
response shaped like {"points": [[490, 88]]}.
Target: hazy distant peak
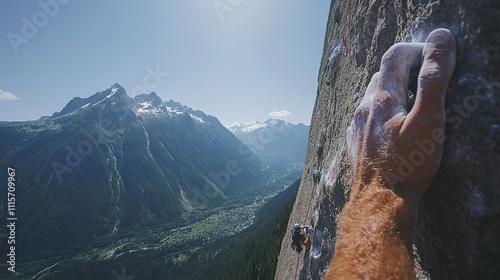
{"points": [[278, 122], [238, 128], [247, 127]]}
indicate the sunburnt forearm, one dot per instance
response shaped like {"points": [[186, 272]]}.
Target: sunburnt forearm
{"points": [[374, 236]]}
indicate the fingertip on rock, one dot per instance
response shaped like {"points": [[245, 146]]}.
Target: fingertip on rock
{"points": [[440, 37], [439, 55]]}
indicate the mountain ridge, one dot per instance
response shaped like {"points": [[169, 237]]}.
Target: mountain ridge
{"points": [[248, 127], [275, 140], [109, 164], [143, 104]]}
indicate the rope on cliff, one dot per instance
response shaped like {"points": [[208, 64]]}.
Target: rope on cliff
{"points": [[344, 43], [343, 48], [345, 24]]}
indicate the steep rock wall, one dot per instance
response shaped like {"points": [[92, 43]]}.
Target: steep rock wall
{"points": [[458, 230]]}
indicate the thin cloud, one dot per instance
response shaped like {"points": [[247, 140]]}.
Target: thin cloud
{"points": [[281, 114], [7, 96]]}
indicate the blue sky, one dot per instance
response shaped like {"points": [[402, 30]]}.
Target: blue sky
{"points": [[238, 60]]}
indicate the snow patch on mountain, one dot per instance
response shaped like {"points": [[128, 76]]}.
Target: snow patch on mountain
{"points": [[148, 108], [174, 111], [113, 92], [200, 120], [85, 106]]}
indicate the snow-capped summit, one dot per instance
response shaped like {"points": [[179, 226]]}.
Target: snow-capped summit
{"points": [[238, 128], [178, 108], [243, 128], [150, 104], [76, 104], [144, 105], [278, 122], [152, 99], [274, 140]]}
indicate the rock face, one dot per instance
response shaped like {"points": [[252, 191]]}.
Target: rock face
{"points": [[457, 235]]}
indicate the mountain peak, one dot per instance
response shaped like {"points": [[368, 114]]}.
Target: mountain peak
{"points": [[239, 128], [176, 106], [244, 128], [108, 155], [276, 122], [274, 140], [150, 104], [146, 105], [76, 104], [116, 90], [152, 99], [117, 86]]}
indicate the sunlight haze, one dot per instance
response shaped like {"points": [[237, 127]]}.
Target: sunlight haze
{"points": [[244, 61]]}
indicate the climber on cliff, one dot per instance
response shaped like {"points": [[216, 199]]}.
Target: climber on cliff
{"points": [[300, 237], [316, 175], [394, 155]]}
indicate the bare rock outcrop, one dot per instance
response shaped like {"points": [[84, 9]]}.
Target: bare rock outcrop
{"points": [[458, 231]]}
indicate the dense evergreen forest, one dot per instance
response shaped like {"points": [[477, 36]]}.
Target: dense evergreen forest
{"points": [[249, 254], [252, 254]]}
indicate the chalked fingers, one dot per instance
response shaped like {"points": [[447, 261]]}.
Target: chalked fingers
{"points": [[439, 57]]}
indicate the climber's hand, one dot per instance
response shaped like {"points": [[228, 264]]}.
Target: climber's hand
{"points": [[394, 155], [386, 143]]}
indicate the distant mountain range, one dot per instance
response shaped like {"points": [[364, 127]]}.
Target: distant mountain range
{"points": [[109, 164], [274, 140]]}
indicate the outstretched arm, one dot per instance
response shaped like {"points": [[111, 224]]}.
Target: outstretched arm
{"points": [[394, 155]]}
